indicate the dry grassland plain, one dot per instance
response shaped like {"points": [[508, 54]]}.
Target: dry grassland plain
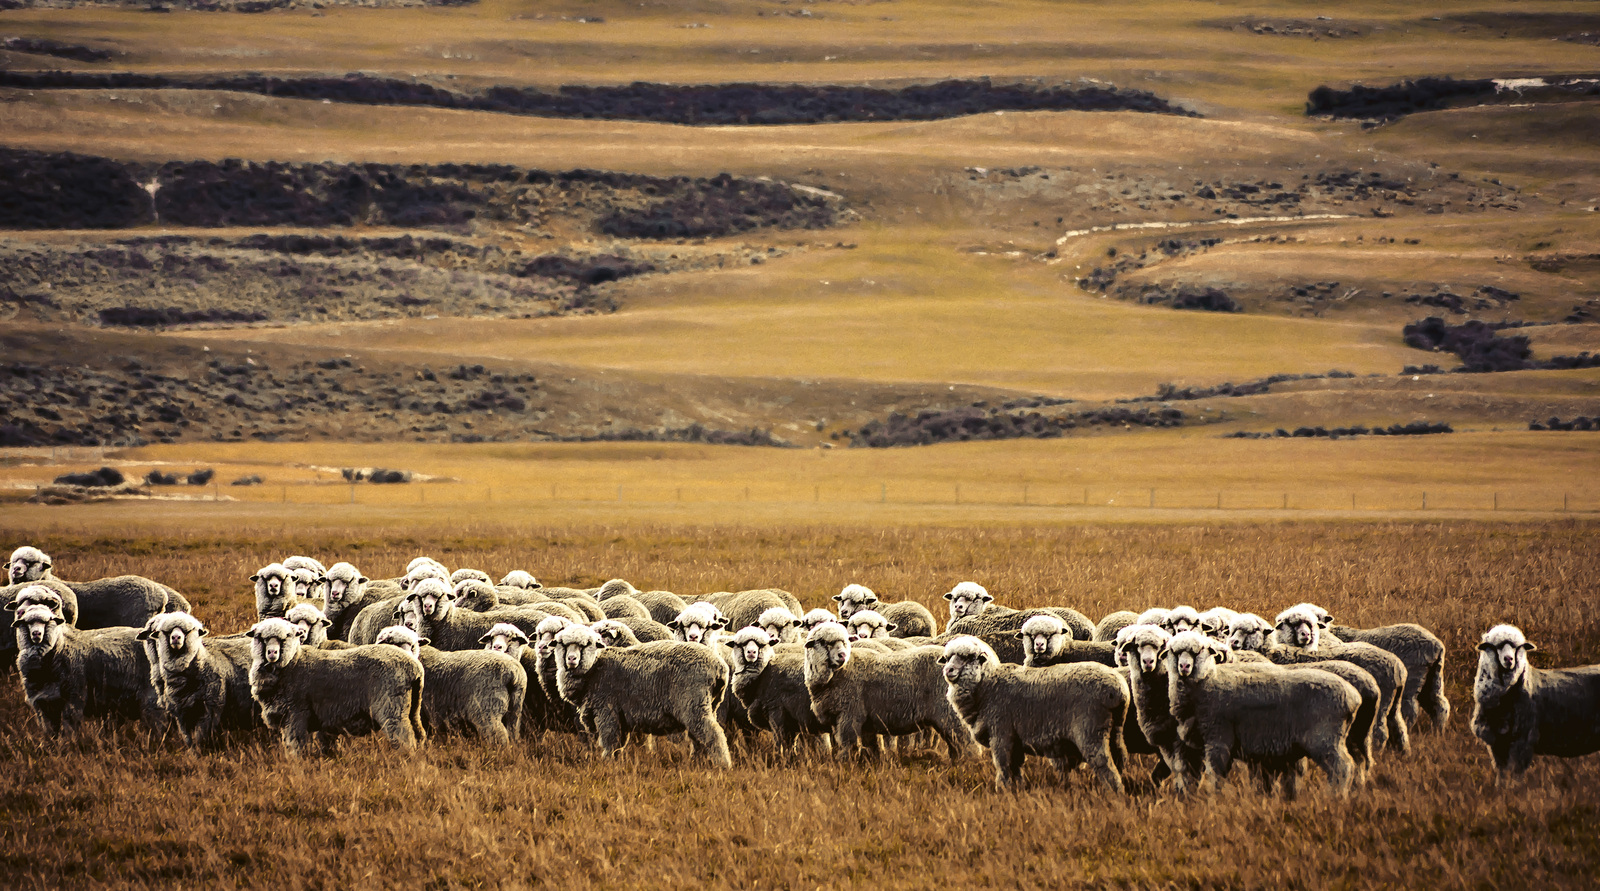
{"points": [[962, 269]]}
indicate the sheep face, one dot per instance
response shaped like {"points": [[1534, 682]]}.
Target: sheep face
{"points": [[810, 621], [517, 578], [1215, 622], [476, 595], [27, 564], [696, 623], [780, 625], [868, 624], [1503, 654], [966, 659], [311, 622], [545, 634], [1249, 632], [1153, 616], [576, 648], [1298, 627], [1191, 656], [1043, 635], [176, 637], [1143, 646], [274, 583], [38, 628], [829, 646], [967, 599], [1181, 619], [433, 598], [307, 583], [612, 633], [274, 643], [344, 584], [752, 648], [505, 638], [854, 599], [422, 573], [403, 638], [36, 595]]}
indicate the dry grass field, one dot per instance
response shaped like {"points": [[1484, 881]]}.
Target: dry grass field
{"points": [[987, 260], [116, 808]]}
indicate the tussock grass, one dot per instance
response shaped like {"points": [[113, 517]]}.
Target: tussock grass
{"points": [[117, 808]]}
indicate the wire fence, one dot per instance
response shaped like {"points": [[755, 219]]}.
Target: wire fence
{"points": [[1019, 495]]}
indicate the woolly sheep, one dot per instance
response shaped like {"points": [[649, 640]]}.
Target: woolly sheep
{"points": [[867, 624], [1299, 623], [429, 610], [1423, 654], [664, 606], [69, 674], [1180, 619], [1068, 713], [1257, 714], [614, 633], [908, 618], [656, 688], [477, 690], [1047, 641], [1143, 648], [553, 712], [1215, 622], [698, 623], [274, 590], [374, 617], [505, 638], [967, 599], [205, 687], [343, 597], [781, 625], [1108, 627], [311, 621], [999, 629], [860, 694], [770, 684], [116, 602], [309, 574], [1520, 711], [462, 574], [810, 621], [744, 608], [623, 606], [518, 578], [303, 690]]}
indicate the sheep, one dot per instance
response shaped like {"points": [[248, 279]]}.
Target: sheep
{"points": [[417, 562], [780, 624], [615, 634], [1068, 713], [867, 624], [1142, 647], [859, 694], [116, 602], [314, 575], [909, 618], [373, 617], [303, 690], [423, 568], [205, 687], [311, 621], [480, 690], [584, 608], [624, 607], [557, 713], [742, 608], [70, 674], [430, 610], [1108, 627], [345, 594], [967, 599], [854, 598], [656, 688], [1046, 641], [810, 621], [49, 592], [1297, 639], [1520, 711], [999, 629], [698, 624], [274, 590], [505, 638], [518, 578], [770, 684], [1216, 622], [1180, 619], [664, 606], [1258, 714], [1423, 654], [463, 574]]}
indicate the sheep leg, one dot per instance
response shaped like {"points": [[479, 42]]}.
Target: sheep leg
{"points": [[1218, 761], [607, 729], [1432, 698], [711, 738], [397, 726], [1103, 761], [419, 732], [1337, 765], [1007, 754], [955, 740], [1519, 755], [296, 733], [1408, 697], [493, 732], [1399, 738]]}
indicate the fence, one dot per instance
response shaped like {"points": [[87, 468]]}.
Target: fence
{"points": [[915, 493]]}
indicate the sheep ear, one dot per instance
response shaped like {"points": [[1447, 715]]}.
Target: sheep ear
{"points": [[1487, 647], [947, 595], [839, 597], [423, 641], [943, 658], [327, 623], [10, 607], [256, 577], [891, 626], [300, 632], [1529, 647], [250, 633], [1323, 623], [204, 631], [362, 580], [988, 598], [1020, 636], [486, 638], [730, 644], [144, 633]]}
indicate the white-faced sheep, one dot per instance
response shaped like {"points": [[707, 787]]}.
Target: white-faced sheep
{"points": [[1257, 714], [968, 599], [555, 713], [1423, 654], [909, 618], [205, 686], [70, 675], [1107, 628], [274, 590], [656, 688], [854, 598], [770, 684], [624, 607], [1142, 647], [311, 621], [867, 624], [698, 624], [462, 574], [1302, 624], [1180, 619], [999, 629], [664, 606], [345, 594], [310, 576], [1216, 622], [505, 638], [116, 602], [304, 691], [781, 625], [1046, 640], [429, 609], [477, 691], [518, 578], [615, 634], [742, 608], [1068, 713], [859, 694], [1520, 711], [810, 621]]}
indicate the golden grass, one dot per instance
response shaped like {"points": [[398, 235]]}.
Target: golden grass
{"points": [[116, 808]]}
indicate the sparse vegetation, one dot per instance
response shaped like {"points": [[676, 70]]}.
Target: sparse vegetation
{"points": [[981, 422], [1415, 428]]}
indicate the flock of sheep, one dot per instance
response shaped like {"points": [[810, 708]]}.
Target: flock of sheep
{"points": [[440, 652]]}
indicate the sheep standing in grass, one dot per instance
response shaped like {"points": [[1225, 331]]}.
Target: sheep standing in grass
{"points": [[1423, 654], [656, 688], [311, 622], [274, 590], [1143, 648], [205, 687], [860, 695], [310, 577], [304, 691], [69, 675], [1180, 619], [1107, 628], [504, 638], [664, 606], [480, 691], [770, 684], [1297, 640], [615, 634], [968, 599], [1069, 713], [117, 602], [810, 621], [698, 624], [1216, 622], [624, 607], [1520, 711], [1047, 641], [781, 625], [1257, 714], [909, 618], [518, 578], [344, 595], [999, 629]]}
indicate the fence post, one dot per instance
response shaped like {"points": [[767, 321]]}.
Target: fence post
{"points": [[216, 491], [1286, 501], [1424, 500], [883, 493], [1497, 501], [1563, 502], [1352, 501], [1085, 496], [352, 493], [958, 493], [1152, 498], [1219, 501], [619, 493], [816, 493], [285, 494]]}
